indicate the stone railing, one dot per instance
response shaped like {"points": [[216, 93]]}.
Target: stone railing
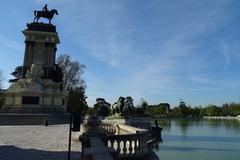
{"points": [[120, 141], [128, 145], [94, 149], [128, 141], [109, 128], [120, 129]]}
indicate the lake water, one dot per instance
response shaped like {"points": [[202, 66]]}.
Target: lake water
{"points": [[199, 140]]}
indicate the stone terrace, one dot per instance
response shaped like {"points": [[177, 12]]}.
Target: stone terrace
{"points": [[37, 142]]}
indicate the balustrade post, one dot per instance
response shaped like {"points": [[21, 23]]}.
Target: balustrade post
{"points": [[135, 146], [130, 147], [118, 146]]}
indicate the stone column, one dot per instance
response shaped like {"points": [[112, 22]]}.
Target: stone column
{"points": [[28, 56]]}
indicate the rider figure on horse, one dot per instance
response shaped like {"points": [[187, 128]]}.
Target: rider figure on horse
{"points": [[45, 13], [45, 9]]}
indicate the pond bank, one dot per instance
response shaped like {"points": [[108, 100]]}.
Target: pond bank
{"points": [[221, 117]]}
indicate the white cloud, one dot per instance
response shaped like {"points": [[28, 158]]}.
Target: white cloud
{"points": [[10, 43], [154, 49]]}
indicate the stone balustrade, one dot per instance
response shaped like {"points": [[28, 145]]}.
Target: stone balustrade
{"points": [[128, 141], [122, 141], [120, 128], [128, 145], [96, 150], [109, 128]]}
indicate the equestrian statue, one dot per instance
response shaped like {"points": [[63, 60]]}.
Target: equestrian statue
{"points": [[45, 13]]}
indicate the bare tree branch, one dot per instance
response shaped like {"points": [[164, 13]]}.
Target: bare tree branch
{"points": [[72, 72]]}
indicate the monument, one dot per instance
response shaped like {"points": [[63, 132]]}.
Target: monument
{"points": [[40, 87]]}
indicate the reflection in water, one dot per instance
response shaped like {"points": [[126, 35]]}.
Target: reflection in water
{"points": [[232, 125], [198, 139], [187, 149], [189, 138], [165, 123], [185, 125]]}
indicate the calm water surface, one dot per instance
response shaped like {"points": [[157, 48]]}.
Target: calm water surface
{"points": [[199, 140]]}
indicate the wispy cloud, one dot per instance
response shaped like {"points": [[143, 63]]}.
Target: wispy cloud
{"points": [[152, 48], [10, 43], [230, 50]]}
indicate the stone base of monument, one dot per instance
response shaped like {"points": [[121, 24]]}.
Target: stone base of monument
{"points": [[25, 97]]}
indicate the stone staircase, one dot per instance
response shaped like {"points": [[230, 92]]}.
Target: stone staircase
{"points": [[32, 110], [33, 119], [33, 115]]}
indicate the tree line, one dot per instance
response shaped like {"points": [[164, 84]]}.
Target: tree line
{"points": [[183, 110]]}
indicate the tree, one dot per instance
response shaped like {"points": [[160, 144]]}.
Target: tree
{"points": [[183, 109], [129, 108], [72, 82], [144, 106], [234, 109], [225, 110], [72, 72], [77, 100], [17, 74], [213, 110], [91, 111], [102, 108]]}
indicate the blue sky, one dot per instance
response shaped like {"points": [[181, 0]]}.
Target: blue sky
{"points": [[159, 50]]}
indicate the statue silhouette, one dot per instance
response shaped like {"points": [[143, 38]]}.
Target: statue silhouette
{"points": [[45, 13], [45, 9]]}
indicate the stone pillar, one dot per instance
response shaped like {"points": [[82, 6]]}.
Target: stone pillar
{"points": [[28, 56]]}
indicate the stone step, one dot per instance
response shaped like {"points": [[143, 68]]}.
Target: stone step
{"points": [[33, 110], [33, 119]]}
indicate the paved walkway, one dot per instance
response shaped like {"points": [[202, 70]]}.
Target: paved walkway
{"points": [[37, 143]]}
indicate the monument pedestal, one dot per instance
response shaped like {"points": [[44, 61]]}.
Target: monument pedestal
{"points": [[40, 89], [21, 97]]}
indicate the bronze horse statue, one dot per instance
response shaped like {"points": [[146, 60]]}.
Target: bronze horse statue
{"points": [[45, 14]]}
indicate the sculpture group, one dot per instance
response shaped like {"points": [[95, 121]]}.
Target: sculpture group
{"points": [[123, 107]]}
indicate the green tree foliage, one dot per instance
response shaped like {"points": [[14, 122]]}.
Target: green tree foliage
{"points": [[183, 110], [213, 110], [102, 108], [77, 100], [160, 109], [144, 106], [225, 110], [91, 111], [196, 111], [232, 109], [17, 74]]}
